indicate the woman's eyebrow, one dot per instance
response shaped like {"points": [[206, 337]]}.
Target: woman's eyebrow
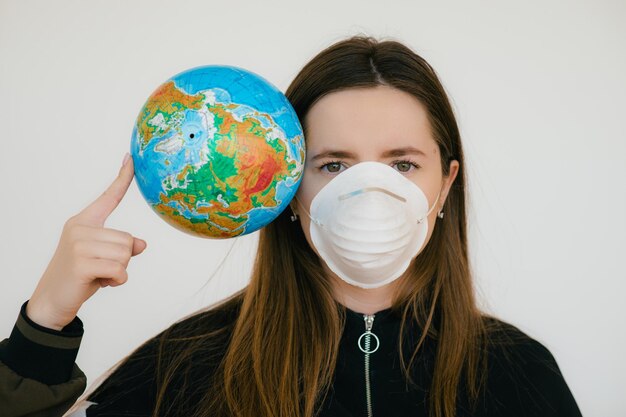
{"points": [[407, 150], [333, 154]]}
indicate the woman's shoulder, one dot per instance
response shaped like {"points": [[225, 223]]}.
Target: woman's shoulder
{"points": [[505, 340], [217, 318], [188, 350], [514, 354], [523, 377], [209, 327]]}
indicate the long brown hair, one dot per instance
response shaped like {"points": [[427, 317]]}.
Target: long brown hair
{"points": [[281, 346]]}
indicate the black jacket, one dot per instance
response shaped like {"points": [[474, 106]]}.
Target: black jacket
{"points": [[38, 376]]}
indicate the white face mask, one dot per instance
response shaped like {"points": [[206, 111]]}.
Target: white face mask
{"points": [[368, 223]]}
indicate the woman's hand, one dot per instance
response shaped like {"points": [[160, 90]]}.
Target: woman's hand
{"points": [[88, 257]]}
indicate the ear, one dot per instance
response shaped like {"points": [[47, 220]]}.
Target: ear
{"points": [[448, 181]]}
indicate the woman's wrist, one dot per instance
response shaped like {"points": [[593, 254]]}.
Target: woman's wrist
{"points": [[40, 314]]}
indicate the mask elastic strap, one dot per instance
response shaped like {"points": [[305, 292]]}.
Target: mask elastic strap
{"points": [[421, 219], [301, 207]]}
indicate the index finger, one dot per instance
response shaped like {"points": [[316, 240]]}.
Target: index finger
{"points": [[97, 212]]}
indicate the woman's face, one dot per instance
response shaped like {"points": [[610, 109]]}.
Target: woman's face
{"points": [[380, 124]]}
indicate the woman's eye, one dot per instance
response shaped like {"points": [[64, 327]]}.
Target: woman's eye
{"points": [[332, 167], [405, 166]]}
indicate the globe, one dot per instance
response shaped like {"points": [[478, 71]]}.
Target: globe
{"points": [[218, 151]]}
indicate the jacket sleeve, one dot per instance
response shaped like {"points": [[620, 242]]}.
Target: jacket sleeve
{"points": [[38, 373]]}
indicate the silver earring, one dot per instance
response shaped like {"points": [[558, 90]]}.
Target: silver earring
{"points": [[440, 214], [294, 216]]}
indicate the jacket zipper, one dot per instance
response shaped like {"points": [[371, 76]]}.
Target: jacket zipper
{"points": [[367, 349]]}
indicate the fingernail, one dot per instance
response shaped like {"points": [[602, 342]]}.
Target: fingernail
{"points": [[126, 158]]}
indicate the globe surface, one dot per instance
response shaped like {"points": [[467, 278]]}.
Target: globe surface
{"points": [[218, 151]]}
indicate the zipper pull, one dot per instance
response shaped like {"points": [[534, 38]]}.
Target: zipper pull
{"points": [[369, 322]]}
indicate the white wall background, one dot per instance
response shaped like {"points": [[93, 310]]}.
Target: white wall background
{"points": [[538, 88]]}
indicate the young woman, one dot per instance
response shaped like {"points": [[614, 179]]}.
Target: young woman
{"points": [[360, 301]]}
